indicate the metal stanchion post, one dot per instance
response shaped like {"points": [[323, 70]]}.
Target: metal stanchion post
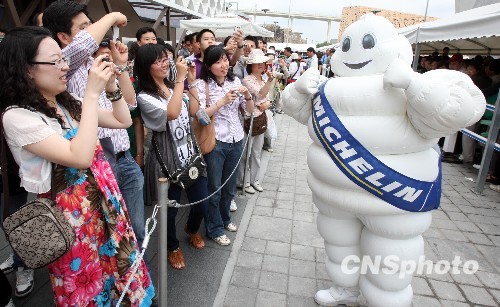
{"points": [[163, 201], [488, 149], [247, 155]]}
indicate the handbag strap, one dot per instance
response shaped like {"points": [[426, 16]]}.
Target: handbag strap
{"points": [[159, 158], [295, 73], [5, 173]]}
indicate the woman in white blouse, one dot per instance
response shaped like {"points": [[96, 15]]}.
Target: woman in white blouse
{"points": [[226, 96], [259, 88], [44, 125]]}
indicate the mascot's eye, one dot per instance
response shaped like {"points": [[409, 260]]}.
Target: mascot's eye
{"points": [[368, 41], [346, 44]]}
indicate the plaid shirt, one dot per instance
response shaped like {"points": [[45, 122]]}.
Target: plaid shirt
{"points": [[80, 52]]}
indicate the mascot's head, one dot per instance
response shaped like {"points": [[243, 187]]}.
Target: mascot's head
{"points": [[368, 46]]}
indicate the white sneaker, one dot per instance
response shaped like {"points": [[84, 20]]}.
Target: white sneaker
{"points": [[256, 185], [231, 227], [8, 265], [222, 240], [24, 282], [249, 189], [337, 296], [233, 206], [495, 187]]}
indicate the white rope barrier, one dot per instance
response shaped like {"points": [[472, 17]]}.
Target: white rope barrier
{"points": [[479, 138]]}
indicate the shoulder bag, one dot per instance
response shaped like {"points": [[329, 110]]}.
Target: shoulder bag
{"points": [[182, 176], [205, 135], [259, 125], [38, 231]]}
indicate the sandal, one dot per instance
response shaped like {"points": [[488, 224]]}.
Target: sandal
{"points": [[176, 259], [195, 239]]}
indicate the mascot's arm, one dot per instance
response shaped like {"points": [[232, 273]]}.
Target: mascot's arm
{"points": [[440, 102], [296, 98]]}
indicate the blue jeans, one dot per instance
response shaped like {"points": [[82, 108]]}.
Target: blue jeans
{"points": [[131, 183], [221, 161], [197, 212]]}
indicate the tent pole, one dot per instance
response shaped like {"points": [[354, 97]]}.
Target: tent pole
{"points": [[417, 46], [416, 57]]}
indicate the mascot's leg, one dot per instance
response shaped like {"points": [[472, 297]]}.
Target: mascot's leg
{"points": [[392, 236], [341, 231]]}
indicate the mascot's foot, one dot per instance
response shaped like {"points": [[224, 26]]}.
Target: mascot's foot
{"points": [[338, 296]]}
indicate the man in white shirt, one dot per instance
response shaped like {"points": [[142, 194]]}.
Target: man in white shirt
{"points": [[313, 58]]}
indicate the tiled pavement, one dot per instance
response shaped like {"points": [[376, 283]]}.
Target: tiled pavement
{"points": [[277, 256]]}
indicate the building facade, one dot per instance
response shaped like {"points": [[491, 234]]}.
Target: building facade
{"points": [[351, 14]]}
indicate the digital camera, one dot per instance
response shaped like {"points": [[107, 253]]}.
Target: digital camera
{"points": [[189, 62], [203, 117]]}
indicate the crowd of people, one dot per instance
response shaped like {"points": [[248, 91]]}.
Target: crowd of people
{"points": [[106, 120], [485, 73], [99, 122]]}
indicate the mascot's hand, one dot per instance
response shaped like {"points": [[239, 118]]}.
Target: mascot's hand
{"points": [[398, 75], [308, 82]]}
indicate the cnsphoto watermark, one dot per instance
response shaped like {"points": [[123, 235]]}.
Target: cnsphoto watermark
{"points": [[391, 264]]}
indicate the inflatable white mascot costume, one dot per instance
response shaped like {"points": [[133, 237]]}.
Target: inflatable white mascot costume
{"points": [[374, 174]]}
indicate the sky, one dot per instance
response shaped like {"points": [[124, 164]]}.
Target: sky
{"points": [[315, 31]]}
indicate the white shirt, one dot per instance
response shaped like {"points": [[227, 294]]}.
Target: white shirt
{"points": [[24, 127], [228, 128]]}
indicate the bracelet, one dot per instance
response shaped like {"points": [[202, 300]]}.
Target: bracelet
{"points": [[181, 81], [114, 96], [122, 68], [248, 99], [192, 85]]}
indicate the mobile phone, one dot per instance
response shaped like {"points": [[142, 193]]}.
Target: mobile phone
{"points": [[236, 28], [269, 67], [116, 33]]}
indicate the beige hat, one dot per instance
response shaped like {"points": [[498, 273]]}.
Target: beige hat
{"points": [[294, 56], [256, 56]]}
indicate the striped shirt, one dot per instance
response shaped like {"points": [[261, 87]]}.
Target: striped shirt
{"points": [[77, 83], [228, 128]]}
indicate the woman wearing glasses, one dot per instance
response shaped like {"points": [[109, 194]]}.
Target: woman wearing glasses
{"points": [[164, 110], [45, 126]]}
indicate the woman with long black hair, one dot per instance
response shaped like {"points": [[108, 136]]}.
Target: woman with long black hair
{"points": [[45, 125], [164, 110]]}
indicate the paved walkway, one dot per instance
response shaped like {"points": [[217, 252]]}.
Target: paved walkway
{"points": [[277, 256]]}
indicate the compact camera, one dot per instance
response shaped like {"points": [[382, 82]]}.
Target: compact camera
{"points": [[203, 117], [189, 62], [238, 94]]}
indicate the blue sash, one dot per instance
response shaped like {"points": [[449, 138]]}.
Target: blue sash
{"points": [[365, 170]]}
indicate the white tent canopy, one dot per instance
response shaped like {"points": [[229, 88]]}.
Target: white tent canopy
{"points": [[223, 25], [472, 32]]}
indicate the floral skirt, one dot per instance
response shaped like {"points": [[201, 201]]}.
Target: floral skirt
{"points": [[96, 269]]}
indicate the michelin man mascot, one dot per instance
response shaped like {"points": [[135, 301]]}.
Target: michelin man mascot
{"points": [[374, 174]]}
